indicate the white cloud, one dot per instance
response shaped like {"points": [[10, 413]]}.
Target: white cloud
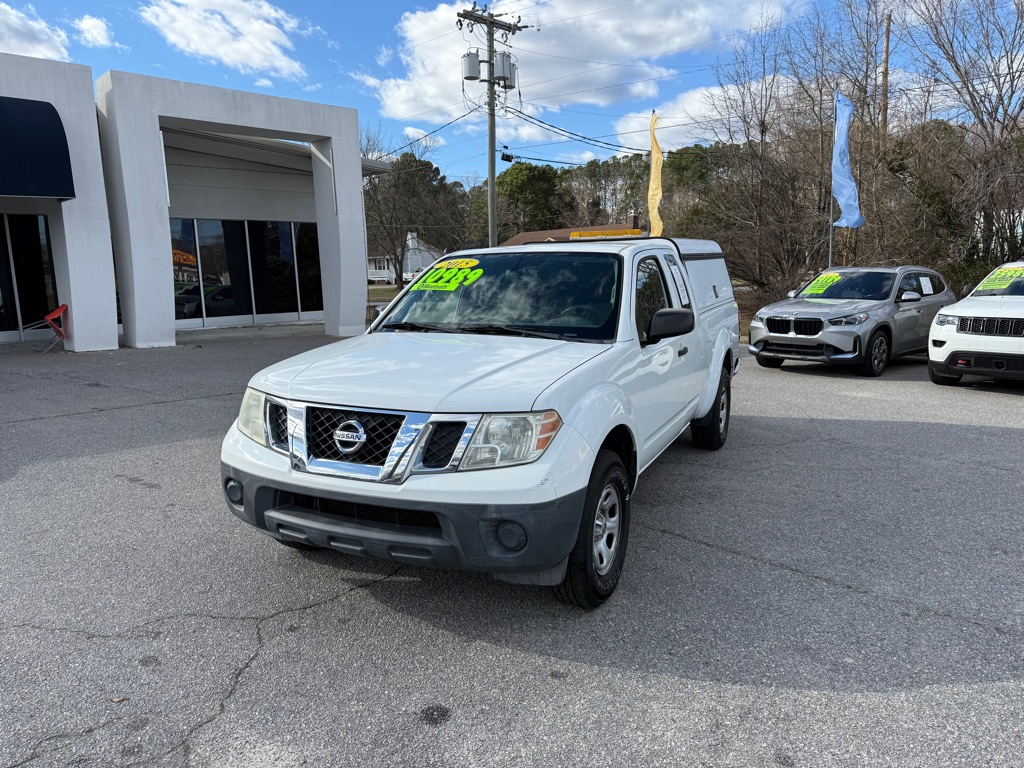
{"points": [[264, 82], [25, 34], [414, 134], [95, 33], [576, 52], [312, 87], [384, 56], [251, 36]]}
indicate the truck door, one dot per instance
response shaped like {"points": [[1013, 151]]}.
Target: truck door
{"points": [[662, 401]]}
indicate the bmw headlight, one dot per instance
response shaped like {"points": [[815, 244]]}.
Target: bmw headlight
{"points": [[759, 317], [250, 416], [506, 439], [849, 319], [946, 319]]}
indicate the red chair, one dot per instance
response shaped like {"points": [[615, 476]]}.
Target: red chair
{"points": [[48, 320]]}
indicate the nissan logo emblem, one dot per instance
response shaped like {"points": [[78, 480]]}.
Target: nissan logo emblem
{"points": [[350, 436]]}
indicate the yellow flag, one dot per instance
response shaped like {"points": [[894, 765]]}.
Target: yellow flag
{"points": [[654, 187]]}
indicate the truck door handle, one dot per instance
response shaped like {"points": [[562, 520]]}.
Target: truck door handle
{"points": [[683, 351]]}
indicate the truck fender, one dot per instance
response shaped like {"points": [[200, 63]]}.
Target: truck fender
{"points": [[600, 410], [722, 347]]}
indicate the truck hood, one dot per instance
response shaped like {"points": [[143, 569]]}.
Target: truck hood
{"points": [[987, 306], [821, 307], [427, 372]]}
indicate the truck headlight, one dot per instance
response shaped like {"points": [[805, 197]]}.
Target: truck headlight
{"points": [[250, 416], [946, 319], [506, 439], [849, 319]]}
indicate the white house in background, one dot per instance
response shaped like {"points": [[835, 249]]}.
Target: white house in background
{"points": [[159, 205], [418, 256]]}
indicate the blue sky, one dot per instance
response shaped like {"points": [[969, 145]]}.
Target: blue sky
{"points": [[593, 67]]}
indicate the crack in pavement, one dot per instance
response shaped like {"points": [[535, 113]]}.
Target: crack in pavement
{"points": [[185, 744], [836, 583], [36, 753], [125, 407], [139, 632]]}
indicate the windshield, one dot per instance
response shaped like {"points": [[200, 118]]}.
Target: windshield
{"points": [[555, 295], [1004, 281], [850, 284]]}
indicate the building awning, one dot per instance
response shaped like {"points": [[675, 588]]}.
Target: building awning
{"points": [[33, 151]]}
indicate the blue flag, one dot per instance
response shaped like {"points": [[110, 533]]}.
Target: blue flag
{"points": [[843, 186]]}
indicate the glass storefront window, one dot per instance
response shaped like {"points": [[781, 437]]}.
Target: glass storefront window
{"points": [[224, 265], [27, 283], [272, 256], [230, 268], [307, 248]]}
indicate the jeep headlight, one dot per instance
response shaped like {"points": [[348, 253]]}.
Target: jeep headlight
{"points": [[849, 319], [250, 416], [506, 439], [946, 319]]}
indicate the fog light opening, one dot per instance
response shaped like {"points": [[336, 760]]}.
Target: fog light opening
{"points": [[233, 490], [512, 536]]}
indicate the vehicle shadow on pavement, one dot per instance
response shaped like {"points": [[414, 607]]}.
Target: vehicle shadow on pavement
{"points": [[792, 558]]}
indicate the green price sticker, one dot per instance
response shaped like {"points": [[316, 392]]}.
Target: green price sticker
{"points": [[1001, 279], [449, 275], [821, 283]]}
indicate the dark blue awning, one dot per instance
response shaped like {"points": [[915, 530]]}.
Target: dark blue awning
{"points": [[34, 150]]}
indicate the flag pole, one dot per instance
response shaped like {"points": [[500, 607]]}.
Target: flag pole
{"points": [[831, 196]]}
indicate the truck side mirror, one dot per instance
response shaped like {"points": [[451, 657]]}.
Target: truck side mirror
{"points": [[670, 322]]}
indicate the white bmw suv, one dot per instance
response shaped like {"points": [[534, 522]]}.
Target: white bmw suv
{"points": [[983, 334]]}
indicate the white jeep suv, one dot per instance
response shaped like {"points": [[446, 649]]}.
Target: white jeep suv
{"points": [[982, 334]]}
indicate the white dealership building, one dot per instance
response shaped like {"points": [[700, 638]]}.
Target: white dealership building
{"points": [[160, 205]]}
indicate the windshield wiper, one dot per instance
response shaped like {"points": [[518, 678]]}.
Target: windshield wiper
{"points": [[403, 326], [509, 330]]}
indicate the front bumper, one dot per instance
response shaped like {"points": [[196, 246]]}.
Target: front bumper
{"points": [[460, 520], [957, 354], [833, 344]]}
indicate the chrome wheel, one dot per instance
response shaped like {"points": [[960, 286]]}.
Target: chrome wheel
{"points": [[606, 529]]}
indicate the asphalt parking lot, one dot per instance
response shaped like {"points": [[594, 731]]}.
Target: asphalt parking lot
{"points": [[841, 585]]}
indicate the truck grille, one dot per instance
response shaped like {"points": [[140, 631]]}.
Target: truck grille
{"points": [[368, 514], [380, 428], [277, 420], [444, 439], [991, 326], [803, 326]]}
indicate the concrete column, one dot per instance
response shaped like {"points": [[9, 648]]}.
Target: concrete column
{"points": [[137, 195], [341, 231]]}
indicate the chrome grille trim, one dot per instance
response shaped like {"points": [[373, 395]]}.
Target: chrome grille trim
{"points": [[404, 455], [991, 326]]}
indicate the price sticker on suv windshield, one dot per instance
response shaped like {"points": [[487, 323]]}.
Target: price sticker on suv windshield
{"points": [[1001, 279], [449, 275], [821, 283]]}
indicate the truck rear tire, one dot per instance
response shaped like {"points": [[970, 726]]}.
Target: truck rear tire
{"points": [[595, 563], [711, 431]]}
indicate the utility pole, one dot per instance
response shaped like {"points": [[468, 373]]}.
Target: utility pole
{"points": [[884, 116], [481, 16]]}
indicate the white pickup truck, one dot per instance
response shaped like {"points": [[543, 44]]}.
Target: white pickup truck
{"points": [[498, 414]]}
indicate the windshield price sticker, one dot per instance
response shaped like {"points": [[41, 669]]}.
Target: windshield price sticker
{"points": [[821, 283], [1001, 278], [449, 275]]}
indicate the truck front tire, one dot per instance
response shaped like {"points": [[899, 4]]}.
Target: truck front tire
{"points": [[595, 563]]}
